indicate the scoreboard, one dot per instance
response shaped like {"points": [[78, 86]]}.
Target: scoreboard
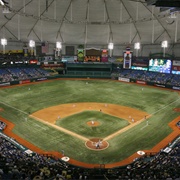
{"points": [[127, 59]]}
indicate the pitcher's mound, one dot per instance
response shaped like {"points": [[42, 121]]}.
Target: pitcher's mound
{"points": [[97, 144], [93, 123]]}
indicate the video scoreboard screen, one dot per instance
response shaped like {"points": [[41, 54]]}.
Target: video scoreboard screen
{"points": [[160, 65]]}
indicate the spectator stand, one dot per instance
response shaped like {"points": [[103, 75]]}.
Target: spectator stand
{"points": [[2, 125]]}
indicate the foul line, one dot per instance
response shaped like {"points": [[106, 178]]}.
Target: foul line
{"points": [[52, 125], [160, 110], [138, 122], [61, 129], [165, 106], [14, 108], [144, 127]]}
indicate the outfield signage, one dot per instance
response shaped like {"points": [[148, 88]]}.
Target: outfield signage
{"points": [[5, 84], [124, 79], [141, 82], [160, 85], [13, 142], [176, 88], [176, 68], [176, 63], [24, 81], [42, 79]]}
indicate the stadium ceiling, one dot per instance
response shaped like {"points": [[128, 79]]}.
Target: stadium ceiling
{"points": [[164, 3], [86, 22]]}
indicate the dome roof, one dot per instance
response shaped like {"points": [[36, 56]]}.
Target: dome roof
{"points": [[87, 21]]}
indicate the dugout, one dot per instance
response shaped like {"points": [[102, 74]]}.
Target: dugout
{"points": [[89, 69]]}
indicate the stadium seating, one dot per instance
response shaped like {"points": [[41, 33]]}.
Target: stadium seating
{"points": [[2, 125], [5, 76], [162, 78], [21, 73], [16, 164]]}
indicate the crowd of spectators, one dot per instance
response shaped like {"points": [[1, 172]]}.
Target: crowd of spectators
{"points": [[16, 164], [163, 165], [21, 73], [20, 165], [148, 76], [5, 76], [2, 125]]}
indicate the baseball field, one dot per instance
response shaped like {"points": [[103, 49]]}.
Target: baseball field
{"points": [[91, 121]]}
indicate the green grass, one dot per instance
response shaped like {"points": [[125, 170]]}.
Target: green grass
{"points": [[18, 101], [78, 124]]}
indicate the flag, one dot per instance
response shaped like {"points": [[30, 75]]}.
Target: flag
{"points": [[45, 47]]}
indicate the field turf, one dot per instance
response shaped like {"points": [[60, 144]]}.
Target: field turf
{"points": [[19, 101]]}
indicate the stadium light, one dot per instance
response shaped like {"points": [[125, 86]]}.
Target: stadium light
{"points": [[2, 3], [137, 47], [58, 48], [58, 45], [110, 46], [164, 45], [3, 43], [31, 43]]}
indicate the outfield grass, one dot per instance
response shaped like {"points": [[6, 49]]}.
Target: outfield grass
{"points": [[18, 102]]}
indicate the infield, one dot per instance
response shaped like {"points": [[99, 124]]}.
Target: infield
{"points": [[75, 125]]}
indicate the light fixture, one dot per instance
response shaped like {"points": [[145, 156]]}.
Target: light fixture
{"points": [[4, 42], [31, 43], [137, 46], [110, 46], [164, 44], [2, 2], [58, 45]]}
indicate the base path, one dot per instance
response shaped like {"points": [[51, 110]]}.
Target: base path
{"points": [[52, 114]]}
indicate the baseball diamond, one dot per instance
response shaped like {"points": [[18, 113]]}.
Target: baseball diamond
{"points": [[101, 122]]}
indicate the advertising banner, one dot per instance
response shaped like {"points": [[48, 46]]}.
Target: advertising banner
{"points": [[104, 56], [68, 58], [124, 79], [176, 88], [176, 68], [140, 82], [5, 84], [80, 55], [24, 81], [160, 85], [33, 61], [176, 63]]}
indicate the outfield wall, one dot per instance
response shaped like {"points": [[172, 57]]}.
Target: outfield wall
{"points": [[149, 83], [85, 70], [93, 75]]}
